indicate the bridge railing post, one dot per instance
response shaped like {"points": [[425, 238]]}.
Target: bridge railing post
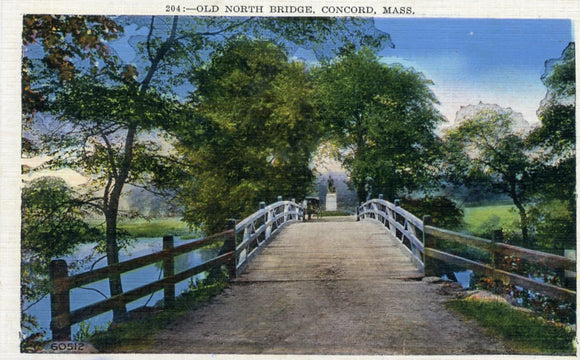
{"points": [[231, 245], [428, 242], [168, 272], [59, 300]]}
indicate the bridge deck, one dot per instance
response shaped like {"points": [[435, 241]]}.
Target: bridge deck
{"points": [[328, 287], [333, 249]]}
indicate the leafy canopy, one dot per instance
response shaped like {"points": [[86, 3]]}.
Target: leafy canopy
{"points": [[486, 150], [255, 134], [383, 117]]}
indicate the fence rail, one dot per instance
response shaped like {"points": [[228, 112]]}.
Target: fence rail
{"points": [[254, 232], [406, 227]]}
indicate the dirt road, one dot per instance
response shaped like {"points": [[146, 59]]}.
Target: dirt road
{"points": [[334, 286]]}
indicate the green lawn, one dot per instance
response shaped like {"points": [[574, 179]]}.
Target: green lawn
{"points": [[154, 227], [525, 333], [494, 216]]}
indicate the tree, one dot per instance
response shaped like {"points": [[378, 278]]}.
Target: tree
{"points": [[555, 139], [383, 117], [258, 134], [484, 149], [64, 41], [554, 143], [52, 225]]}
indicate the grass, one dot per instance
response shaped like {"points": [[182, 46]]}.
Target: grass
{"points": [[522, 331], [139, 335], [158, 227], [477, 219], [335, 213]]}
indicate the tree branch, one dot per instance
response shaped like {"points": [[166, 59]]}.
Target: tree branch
{"points": [[149, 39], [111, 154]]}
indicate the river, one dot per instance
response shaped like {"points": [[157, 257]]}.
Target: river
{"points": [[97, 291]]}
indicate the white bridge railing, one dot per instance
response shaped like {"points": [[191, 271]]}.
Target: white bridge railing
{"points": [[403, 225], [254, 232]]}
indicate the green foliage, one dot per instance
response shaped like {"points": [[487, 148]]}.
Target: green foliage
{"points": [[32, 339], [84, 333], [256, 136], [554, 142], [525, 332], [384, 118], [66, 41], [558, 131], [443, 211], [560, 75], [554, 225], [485, 150], [53, 218], [52, 225], [336, 213]]}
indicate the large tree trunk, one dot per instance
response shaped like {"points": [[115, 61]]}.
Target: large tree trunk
{"points": [[112, 197], [516, 198], [111, 208], [523, 221], [115, 285]]}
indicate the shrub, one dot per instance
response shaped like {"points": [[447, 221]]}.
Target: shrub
{"points": [[443, 211]]}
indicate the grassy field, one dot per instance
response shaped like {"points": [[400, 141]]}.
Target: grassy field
{"points": [[525, 333], [492, 216], [154, 227], [157, 227]]}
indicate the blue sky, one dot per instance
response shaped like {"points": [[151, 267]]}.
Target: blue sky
{"points": [[496, 61]]}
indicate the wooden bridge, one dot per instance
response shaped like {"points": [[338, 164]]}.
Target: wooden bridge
{"points": [[336, 285]]}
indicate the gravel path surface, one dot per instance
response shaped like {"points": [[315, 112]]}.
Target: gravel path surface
{"points": [[330, 286]]}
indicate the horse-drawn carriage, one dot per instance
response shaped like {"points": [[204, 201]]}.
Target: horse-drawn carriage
{"points": [[312, 206]]}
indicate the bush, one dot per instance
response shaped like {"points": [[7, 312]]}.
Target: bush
{"points": [[443, 211]]}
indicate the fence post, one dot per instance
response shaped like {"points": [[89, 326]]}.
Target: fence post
{"points": [[428, 242], [59, 300], [168, 272], [231, 246], [570, 276], [496, 236]]}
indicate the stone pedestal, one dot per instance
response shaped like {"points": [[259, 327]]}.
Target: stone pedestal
{"points": [[331, 202]]}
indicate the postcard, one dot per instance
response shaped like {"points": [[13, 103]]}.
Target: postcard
{"points": [[243, 178]]}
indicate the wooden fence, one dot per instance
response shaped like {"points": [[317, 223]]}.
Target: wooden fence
{"points": [[253, 232], [407, 229]]}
